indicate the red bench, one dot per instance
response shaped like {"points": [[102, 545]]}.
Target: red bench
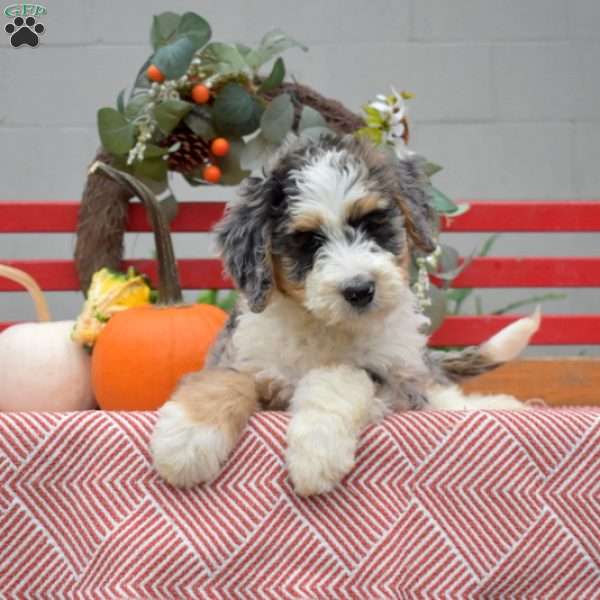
{"points": [[483, 272]]}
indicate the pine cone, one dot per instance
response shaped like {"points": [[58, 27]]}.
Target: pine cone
{"points": [[193, 151]]}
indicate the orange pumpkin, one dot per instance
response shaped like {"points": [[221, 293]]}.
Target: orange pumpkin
{"points": [[143, 352]]}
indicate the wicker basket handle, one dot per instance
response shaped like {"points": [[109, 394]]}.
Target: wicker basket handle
{"points": [[30, 284]]}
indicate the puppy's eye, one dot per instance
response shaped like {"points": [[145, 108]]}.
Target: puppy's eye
{"points": [[307, 242]]}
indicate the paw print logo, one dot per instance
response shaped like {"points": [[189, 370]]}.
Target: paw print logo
{"points": [[24, 31]]}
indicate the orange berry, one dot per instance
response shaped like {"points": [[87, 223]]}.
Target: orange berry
{"points": [[155, 74], [200, 94], [211, 173], [220, 147]]}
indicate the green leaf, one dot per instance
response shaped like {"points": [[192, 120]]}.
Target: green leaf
{"points": [[163, 29], [275, 78], [169, 113], [195, 27], [278, 118], [169, 207], [243, 49], [152, 168], [311, 118], [374, 135], [256, 153], [230, 165], [207, 297], [441, 202], [194, 179], [121, 101], [235, 112], [314, 133], [141, 79], [174, 59], [224, 58], [273, 43], [528, 301], [153, 151], [432, 168], [228, 303], [199, 120], [438, 309], [136, 105], [116, 132], [449, 259]]}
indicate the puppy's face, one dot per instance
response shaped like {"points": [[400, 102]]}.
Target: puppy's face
{"points": [[330, 227]]}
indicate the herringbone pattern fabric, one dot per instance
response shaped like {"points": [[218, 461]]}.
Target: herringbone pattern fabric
{"points": [[440, 505]]}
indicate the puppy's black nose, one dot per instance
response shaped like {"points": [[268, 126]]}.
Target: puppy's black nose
{"points": [[359, 293]]}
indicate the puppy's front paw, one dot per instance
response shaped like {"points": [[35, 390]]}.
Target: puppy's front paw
{"points": [[274, 389], [320, 452], [185, 452]]}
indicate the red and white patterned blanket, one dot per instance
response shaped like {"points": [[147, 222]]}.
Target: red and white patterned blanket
{"points": [[483, 505]]}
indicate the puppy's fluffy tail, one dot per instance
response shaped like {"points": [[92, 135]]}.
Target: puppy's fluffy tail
{"points": [[506, 345]]}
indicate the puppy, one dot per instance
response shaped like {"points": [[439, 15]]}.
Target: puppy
{"points": [[327, 325]]}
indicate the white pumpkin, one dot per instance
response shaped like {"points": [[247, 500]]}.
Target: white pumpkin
{"points": [[41, 368]]}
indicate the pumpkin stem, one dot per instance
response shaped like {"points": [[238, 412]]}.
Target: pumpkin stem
{"points": [[169, 289], [30, 284]]}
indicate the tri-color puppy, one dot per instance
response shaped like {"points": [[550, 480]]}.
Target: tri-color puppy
{"points": [[328, 325]]}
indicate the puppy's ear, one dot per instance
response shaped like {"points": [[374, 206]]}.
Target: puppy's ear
{"points": [[416, 203], [244, 239]]}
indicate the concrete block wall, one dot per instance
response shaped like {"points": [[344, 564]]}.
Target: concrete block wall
{"points": [[507, 99]]}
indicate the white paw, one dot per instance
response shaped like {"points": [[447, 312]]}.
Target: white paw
{"points": [[320, 452], [186, 453]]}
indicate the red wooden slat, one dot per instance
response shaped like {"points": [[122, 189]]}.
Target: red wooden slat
{"points": [[468, 330], [527, 216], [485, 272], [555, 329], [495, 272], [61, 217], [60, 275], [513, 216]]}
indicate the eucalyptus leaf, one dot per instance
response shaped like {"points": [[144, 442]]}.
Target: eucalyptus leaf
{"points": [[225, 58], [195, 27], [152, 168], [278, 118], [449, 259], [441, 202], [243, 49], [169, 207], [200, 122], [438, 309], [311, 118], [231, 169], [174, 58], [432, 168], [154, 151], [275, 78], [461, 209], [116, 132], [169, 113], [314, 133], [121, 101], [194, 179], [273, 43], [163, 29], [235, 112], [136, 104], [141, 79], [256, 153], [157, 187]]}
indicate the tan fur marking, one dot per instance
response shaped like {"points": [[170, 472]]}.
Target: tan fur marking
{"points": [[221, 398], [363, 206], [307, 221], [284, 285]]}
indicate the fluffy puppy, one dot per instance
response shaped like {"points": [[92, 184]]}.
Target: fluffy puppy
{"points": [[327, 326]]}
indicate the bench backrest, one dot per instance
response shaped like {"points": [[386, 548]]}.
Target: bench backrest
{"points": [[482, 272]]}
